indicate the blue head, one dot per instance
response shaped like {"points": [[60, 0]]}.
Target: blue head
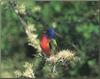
{"points": [[50, 33]]}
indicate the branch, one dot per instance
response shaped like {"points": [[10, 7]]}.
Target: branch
{"points": [[21, 18], [12, 5]]}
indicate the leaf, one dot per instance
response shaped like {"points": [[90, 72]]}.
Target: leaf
{"points": [[92, 63]]}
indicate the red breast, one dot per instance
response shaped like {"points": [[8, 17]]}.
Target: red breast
{"points": [[44, 43]]}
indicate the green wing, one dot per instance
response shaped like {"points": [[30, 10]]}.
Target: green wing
{"points": [[53, 46]]}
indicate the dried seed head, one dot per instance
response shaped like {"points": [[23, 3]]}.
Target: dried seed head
{"points": [[64, 55]]}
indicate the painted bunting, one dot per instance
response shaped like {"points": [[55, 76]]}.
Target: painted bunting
{"points": [[48, 43]]}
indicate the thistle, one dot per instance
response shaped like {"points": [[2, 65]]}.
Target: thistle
{"points": [[27, 73], [62, 56]]}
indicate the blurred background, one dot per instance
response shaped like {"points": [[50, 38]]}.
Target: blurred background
{"points": [[76, 21]]}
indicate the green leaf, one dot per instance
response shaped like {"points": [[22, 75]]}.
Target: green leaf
{"points": [[92, 63]]}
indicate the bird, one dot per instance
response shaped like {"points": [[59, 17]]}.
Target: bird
{"points": [[45, 45], [48, 45], [48, 42]]}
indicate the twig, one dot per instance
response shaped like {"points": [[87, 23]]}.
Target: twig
{"points": [[12, 5]]}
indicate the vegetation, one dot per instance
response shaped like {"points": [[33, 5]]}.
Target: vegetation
{"points": [[77, 26]]}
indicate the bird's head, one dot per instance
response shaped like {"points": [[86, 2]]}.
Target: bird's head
{"points": [[50, 33]]}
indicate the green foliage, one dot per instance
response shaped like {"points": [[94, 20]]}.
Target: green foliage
{"points": [[87, 29], [76, 22]]}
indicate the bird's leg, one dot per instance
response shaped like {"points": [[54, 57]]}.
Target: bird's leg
{"points": [[54, 68]]}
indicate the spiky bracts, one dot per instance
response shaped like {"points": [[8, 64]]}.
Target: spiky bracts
{"points": [[62, 56], [27, 73], [32, 37]]}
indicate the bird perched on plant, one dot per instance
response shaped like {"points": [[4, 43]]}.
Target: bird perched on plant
{"points": [[48, 43]]}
